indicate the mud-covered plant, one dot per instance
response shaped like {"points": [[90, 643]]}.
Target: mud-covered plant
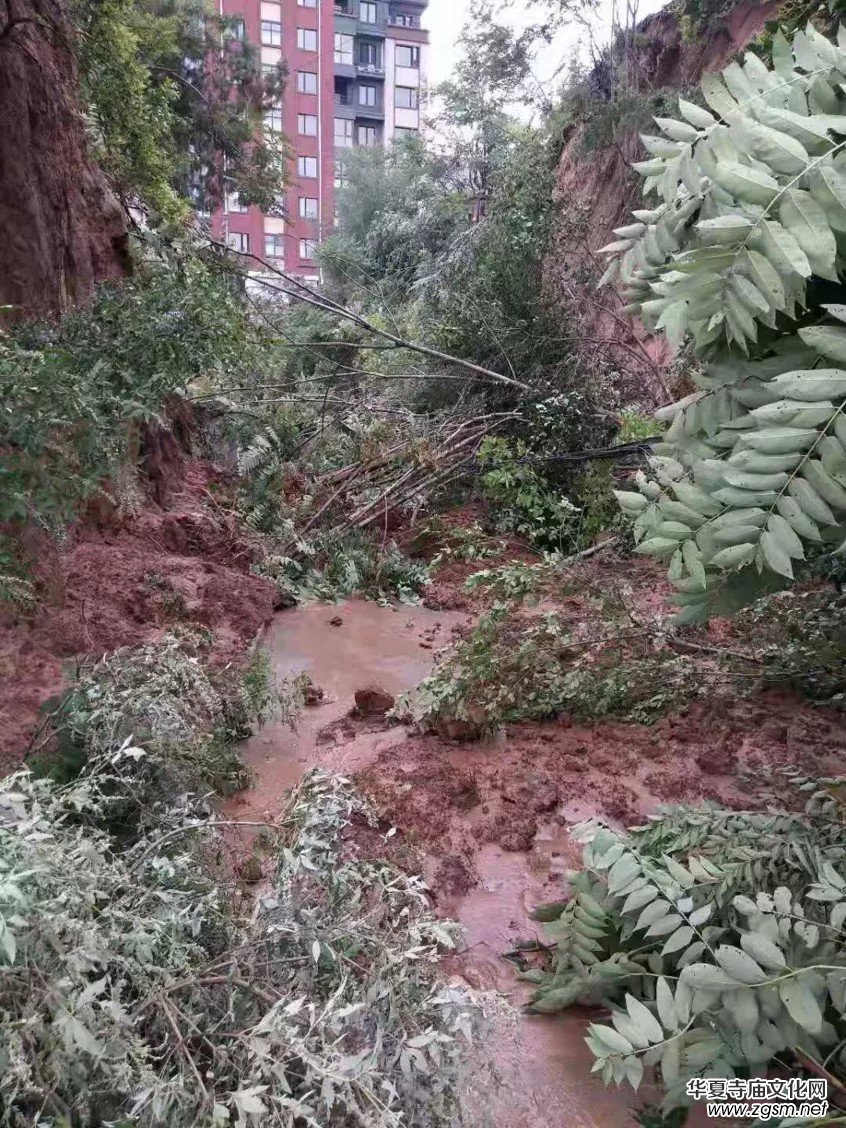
{"points": [[131, 995], [329, 568], [748, 222], [715, 937], [514, 667], [149, 723]]}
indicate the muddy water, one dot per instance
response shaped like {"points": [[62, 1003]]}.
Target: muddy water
{"points": [[526, 1072], [390, 647]]}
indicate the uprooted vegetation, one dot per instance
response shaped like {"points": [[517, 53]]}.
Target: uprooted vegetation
{"points": [[136, 986]]}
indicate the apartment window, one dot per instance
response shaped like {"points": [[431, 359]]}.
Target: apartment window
{"points": [[367, 95], [270, 70], [308, 248], [407, 56], [307, 167], [306, 3], [343, 133], [367, 136], [306, 82], [368, 54], [306, 39], [234, 204], [274, 246], [308, 207], [307, 125], [271, 33], [238, 241], [273, 119], [340, 180], [405, 98], [344, 49], [367, 12], [403, 19], [239, 30], [401, 132]]}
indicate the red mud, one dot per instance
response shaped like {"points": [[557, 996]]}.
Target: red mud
{"points": [[119, 583]]}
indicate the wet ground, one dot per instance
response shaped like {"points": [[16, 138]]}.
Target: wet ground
{"points": [[526, 1072]]}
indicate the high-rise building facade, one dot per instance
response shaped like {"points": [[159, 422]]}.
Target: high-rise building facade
{"points": [[356, 70]]}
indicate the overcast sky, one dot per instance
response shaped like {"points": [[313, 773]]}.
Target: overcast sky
{"points": [[445, 19]]}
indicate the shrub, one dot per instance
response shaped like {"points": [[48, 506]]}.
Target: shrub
{"points": [[147, 724], [517, 667], [75, 393], [131, 994]]}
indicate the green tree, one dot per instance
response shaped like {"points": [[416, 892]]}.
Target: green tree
{"points": [[174, 97]]}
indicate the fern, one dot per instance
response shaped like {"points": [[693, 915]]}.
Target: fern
{"points": [[753, 466]]}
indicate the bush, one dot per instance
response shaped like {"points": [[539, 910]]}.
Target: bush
{"points": [[76, 393], [148, 724], [123, 975], [516, 667]]}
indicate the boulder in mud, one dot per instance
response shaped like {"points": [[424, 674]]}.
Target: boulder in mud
{"points": [[312, 694], [373, 701]]}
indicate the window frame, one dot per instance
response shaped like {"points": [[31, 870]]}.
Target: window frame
{"points": [[304, 207], [347, 134], [414, 55], [271, 116], [301, 167], [302, 119], [340, 53], [366, 48], [307, 243], [302, 34], [369, 5], [276, 239], [413, 100], [301, 74], [367, 130], [373, 90], [243, 238], [276, 30]]}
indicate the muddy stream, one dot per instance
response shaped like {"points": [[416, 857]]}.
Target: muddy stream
{"points": [[526, 1072]]}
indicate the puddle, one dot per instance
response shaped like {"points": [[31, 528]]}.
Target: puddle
{"points": [[526, 1072], [373, 645]]}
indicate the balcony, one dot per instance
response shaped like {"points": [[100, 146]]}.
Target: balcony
{"points": [[343, 99], [370, 70], [405, 21]]}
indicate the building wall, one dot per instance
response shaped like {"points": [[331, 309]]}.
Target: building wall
{"points": [[379, 120]]}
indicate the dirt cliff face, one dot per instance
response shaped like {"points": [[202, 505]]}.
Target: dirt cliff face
{"points": [[595, 190], [61, 228]]}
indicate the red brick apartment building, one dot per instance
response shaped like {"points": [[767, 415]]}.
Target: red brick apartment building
{"points": [[356, 69]]}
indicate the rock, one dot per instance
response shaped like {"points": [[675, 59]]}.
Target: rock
{"points": [[373, 701], [313, 694]]}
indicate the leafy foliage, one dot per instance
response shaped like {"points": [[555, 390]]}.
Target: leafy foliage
{"points": [[514, 667], [76, 393], [172, 97], [716, 938], [123, 975], [147, 724], [750, 209]]}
